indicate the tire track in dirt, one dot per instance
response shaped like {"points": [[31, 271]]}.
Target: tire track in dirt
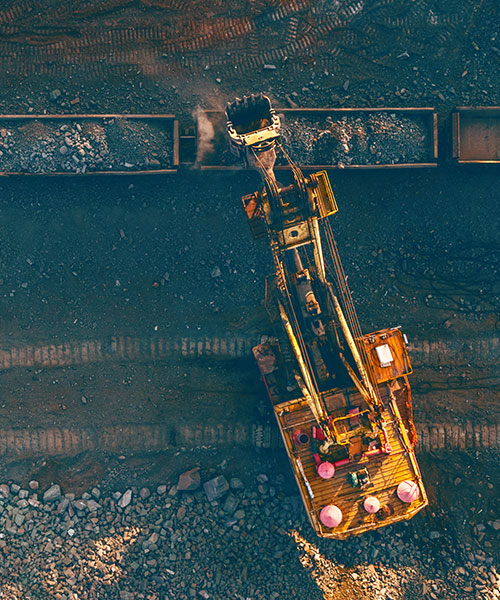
{"points": [[81, 352], [59, 441], [97, 51]]}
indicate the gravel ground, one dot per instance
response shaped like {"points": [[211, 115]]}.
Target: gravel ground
{"points": [[249, 541], [42, 146], [101, 257]]}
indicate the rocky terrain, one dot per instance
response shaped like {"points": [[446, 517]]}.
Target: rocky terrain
{"points": [[211, 534], [383, 138]]}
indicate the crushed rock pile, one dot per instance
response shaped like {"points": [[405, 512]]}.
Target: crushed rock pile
{"points": [[87, 145], [360, 138], [223, 540], [370, 139]]}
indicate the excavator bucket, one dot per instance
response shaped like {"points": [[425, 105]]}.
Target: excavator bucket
{"points": [[252, 125]]}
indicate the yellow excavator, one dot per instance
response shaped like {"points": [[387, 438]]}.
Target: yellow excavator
{"points": [[341, 398]]}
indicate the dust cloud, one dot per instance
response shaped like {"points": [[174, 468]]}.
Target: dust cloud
{"points": [[206, 134]]}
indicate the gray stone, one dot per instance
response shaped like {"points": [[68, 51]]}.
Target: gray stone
{"points": [[62, 506], [144, 493], [230, 504], [14, 488], [189, 480], [125, 500], [161, 489], [153, 538], [19, 519], [262, 478], [33, 485], [92, 505], [434, 535], [124, 595], [79, 505], [236, 484], [55, 94], [215, 488], [239, 514], [96, 492], [64, 150], [4, 490], [496, 525], [270, 67], [23, 494], [52, 494]]}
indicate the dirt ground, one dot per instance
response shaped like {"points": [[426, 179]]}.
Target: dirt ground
{"points": [[84, 257], [96, 258]]}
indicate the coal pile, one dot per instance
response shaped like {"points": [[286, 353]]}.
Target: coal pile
{"points": [[357, 139], [87, 145]]}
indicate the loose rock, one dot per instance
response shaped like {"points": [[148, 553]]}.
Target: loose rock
{"points": [[125, 500], [52, 494], [189, 481]]}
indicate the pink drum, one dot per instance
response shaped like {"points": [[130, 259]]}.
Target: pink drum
{"points": [[408, 491], [330, 515], [371, 504], [326, 470]]}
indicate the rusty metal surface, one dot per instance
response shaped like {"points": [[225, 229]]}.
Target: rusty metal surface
{"points": [[476, 134]]}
